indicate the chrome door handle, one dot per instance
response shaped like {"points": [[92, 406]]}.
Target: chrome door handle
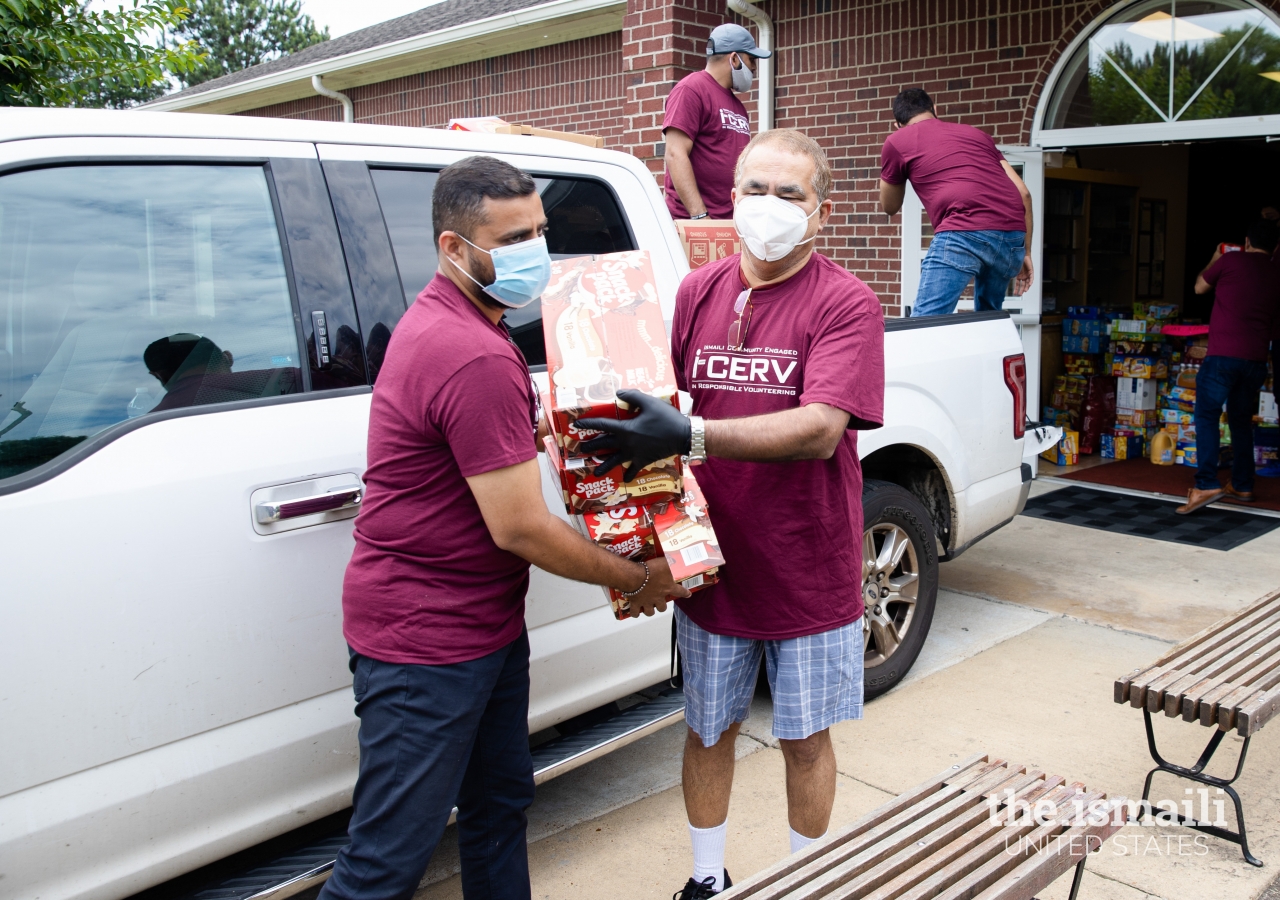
{"points": [[276, 510]]}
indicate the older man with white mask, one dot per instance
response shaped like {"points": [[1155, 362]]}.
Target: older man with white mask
{"points": [[782, 351]]}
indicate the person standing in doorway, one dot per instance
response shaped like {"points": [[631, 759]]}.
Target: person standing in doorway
{"points": [[705, 126], [776, 408], [1245, 316], [453, 516], [979, 207]]}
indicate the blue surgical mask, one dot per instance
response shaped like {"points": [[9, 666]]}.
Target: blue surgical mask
{"points": [[520, 272]]}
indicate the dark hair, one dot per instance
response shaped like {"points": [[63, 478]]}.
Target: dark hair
{"points": [[910, 103], [457, 204], [1263, 234]]}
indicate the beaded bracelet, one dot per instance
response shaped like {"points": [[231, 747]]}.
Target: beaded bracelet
{"points": [[643, 584]]}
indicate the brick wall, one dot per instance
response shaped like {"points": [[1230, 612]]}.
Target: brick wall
{"points": [[574, 86], [985, 62]]}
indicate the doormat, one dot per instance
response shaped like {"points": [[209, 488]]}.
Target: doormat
{"points": [[1217, 529]]}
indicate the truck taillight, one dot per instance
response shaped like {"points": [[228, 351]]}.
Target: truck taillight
{"points": [[1015, 377]]}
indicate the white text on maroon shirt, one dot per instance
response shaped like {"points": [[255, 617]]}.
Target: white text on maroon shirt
{"points": [[756, 370]]}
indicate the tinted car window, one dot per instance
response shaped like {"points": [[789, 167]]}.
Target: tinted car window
{"points": [[583, 217], [130, 290]]}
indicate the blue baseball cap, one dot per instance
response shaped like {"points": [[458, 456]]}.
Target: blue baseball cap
{"points": [[730, 38]]}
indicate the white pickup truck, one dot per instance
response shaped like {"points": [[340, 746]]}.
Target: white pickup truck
{"points": [[193, 311]]}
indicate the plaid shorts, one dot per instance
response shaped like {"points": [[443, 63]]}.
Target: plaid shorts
{"points": [[816, 680]]}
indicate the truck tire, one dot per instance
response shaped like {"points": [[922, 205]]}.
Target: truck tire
{"points": [[900, 587]]}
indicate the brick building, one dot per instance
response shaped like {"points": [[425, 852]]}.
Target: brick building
{"points": [[605, 67]]}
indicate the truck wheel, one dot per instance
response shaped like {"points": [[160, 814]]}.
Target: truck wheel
{"points": [[900, 586]]}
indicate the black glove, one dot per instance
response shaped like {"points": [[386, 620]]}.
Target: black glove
{"points": [[659, 431]]}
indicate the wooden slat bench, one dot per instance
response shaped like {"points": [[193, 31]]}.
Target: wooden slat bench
{"points": [[946, 838], [1226, 677]]}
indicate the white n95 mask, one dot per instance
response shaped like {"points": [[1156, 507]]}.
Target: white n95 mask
{"points": [[770, 226], [740, 78]]}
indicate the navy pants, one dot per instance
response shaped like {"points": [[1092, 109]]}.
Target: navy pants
{"points": [[430, 737], [1235, 382]]}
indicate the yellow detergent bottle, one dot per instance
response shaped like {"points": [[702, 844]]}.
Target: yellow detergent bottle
{"points": [[1162, 446]]}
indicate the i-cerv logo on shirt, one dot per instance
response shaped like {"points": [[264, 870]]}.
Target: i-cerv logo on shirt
{"points": [[734, 122], [745, 368]]}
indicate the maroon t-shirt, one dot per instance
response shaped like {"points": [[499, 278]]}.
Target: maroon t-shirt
{"points": [[1246, 305], [717, 121], [956, 172], [790, 531], [427, 584]]}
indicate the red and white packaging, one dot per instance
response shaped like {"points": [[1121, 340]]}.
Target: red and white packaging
{"points": [[584, 491], [686, 538], [626, 531], [604, 333], [706, 240]]}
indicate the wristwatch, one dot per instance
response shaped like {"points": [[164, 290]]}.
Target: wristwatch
{"points": [[697, 440]]}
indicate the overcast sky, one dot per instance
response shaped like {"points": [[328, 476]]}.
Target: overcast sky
{"points": [[351, 15]]}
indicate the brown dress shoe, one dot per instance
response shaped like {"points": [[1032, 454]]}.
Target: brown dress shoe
{"points": [[1197, 498], [1242, 496]]}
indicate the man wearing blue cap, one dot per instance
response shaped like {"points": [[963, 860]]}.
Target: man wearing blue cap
{"points": [[706, 126]]}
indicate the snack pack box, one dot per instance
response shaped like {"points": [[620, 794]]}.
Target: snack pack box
{"points": [[1065, 452], [1086, 327], [584, 491], [604, 333], [627, 531], [1140, 367], [686, 537], [1136, 418], [1078, 343], [1182, 394], [706, 240], [1176, 417]]}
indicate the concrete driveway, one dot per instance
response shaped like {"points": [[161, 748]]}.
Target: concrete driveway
{"points": [[1032, 627]]}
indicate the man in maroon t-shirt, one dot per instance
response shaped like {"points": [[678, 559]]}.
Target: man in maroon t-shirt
{"points": [[782, 351], [979, 207], [705, 126], [1245, 316], [433, 600]]}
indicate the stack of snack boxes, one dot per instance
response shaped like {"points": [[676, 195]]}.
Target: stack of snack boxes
{"points": [[1140, 359], [1266, 429], [604, 333], [1177, 401], [1083, 397]]}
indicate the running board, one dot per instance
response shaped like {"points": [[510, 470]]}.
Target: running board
{"points": [[311, 865]]}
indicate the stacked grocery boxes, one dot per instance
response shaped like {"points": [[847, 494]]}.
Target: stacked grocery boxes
{"points": [[1139, 357], [1266, 429], [1177, 403], [1083, 398], [604, 333]]}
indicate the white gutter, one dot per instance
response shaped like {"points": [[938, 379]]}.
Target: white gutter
{"points": [[468, 31], [764, 106], [348, 109]]}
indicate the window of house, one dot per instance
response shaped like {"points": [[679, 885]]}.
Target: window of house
{"points": [[583, 218], [130, 290], [1172, 61]]}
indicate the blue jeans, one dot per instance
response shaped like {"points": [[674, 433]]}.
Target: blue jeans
{"points": [[431, 736], [1235, 382], [987, 258]]}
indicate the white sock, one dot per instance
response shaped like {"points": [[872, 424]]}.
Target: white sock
{"points": [[708, 854], [799, 841]]}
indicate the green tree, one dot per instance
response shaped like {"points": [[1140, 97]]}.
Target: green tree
{"points": [[59, 53], [236, 34]]}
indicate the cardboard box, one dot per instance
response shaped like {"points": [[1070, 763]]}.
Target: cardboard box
{"points": [[686, 538], [1140, 367], [1086, 327], [1181, 394], [1121, 446], [1136, 418], [1084, 312], [627, 531], [1267, 406], [706, 240], [1175, 417], [583, 491], [1066, 451], [1135, 393], [1080, 364], [495, 125], [1075, 343], [603, 328]]}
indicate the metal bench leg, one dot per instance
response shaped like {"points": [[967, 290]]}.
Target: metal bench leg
{"points": [[1079, 876], [1196, 774]]}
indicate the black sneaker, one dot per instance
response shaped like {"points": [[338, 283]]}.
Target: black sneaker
{"points": [[701, 890]]}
